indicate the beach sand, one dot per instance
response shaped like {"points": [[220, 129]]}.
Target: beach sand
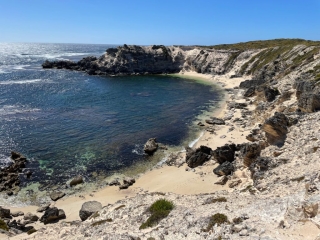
{"points": [[166, 178]]}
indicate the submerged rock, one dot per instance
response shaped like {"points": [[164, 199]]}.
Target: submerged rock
{"points": [[89, 208], [195, 158], [77, 180], [151, 146]]}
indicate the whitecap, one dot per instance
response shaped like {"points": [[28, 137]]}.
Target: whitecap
{"points": [[23, 81], [14, 109]]}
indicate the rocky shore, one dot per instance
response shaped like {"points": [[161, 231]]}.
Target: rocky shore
{"points": [[254, 174]]}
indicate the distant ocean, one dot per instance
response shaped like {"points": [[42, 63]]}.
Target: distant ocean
{"points": [[70, 123]]}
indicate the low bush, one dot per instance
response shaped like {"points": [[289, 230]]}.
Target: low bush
{"points": [[159, 210], [3, 225], [218, 219]]}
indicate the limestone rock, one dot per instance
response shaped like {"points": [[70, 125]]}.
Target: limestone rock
{"points": [[17, 213], [151, 146], [52, 215], [225, 168], [195, 158], [77, 180], [114, 182], [276, 128], [225, 153], [43, 208], [215, 121], [222, 180], [30, 217], [89, 208], [4, 212], [249, 152], [57, 195]]}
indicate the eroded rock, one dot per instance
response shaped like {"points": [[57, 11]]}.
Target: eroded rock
{"points": [[197, 157], [151, 146], [89, 208]]}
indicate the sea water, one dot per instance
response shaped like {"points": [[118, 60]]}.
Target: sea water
{"points": [[69, 123]]}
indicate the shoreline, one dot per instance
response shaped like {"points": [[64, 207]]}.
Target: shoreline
{"points": [[160, 178]]}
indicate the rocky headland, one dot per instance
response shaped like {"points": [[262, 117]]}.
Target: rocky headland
{"points": [[254, 174]]}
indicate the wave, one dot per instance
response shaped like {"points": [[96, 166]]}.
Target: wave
{"points": [[10, 68], [14, 109], [23, 81], [191, 144]]}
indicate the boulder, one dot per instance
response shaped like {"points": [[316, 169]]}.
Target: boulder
{"points": [[43, 208], [151, 146], [224, 169], [309, 102], [127, 182], [270, 94], [77, 180], [249, 152], [52, 215], [215, 121], [276, 129], [237, 105], [225, 153], [195, 158], [57, 195], [89, 208], [249, 92], [4, 213], [30, 217], [17, 213], [114, 182]]}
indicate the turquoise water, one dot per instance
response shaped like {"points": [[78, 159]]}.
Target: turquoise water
{"points": [[68, 122]]}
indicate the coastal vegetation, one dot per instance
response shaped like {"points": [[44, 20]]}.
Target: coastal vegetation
{"points": [[218, 219], [159, 210]]}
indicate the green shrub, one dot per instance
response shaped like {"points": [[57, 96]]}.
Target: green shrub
{"points": [[159, 210], [237, 220], [218, 219], [3, 225]]}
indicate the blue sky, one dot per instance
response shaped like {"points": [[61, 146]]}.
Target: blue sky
{"points": [[188, 22]]}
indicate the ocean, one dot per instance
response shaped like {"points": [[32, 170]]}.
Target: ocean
{"points": [[69, 123]]}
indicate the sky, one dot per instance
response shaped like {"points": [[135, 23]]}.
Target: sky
{"points": [[168, 22]]}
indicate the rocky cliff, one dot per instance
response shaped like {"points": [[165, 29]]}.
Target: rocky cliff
{"points": [[273, 178]]}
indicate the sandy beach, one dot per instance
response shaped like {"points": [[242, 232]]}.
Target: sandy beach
{"points": [[166, 178]]}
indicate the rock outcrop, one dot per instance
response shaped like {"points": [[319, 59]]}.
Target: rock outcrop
{"points": [[195, 158], [77, 180], [52, 215], [276, 128], [9, 176], [225, 153], [151, 146], [89, 208]]}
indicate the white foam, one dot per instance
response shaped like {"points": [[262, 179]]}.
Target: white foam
{"points": [[14, 109], [22, 81], [196, 140], [59, 55]]}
